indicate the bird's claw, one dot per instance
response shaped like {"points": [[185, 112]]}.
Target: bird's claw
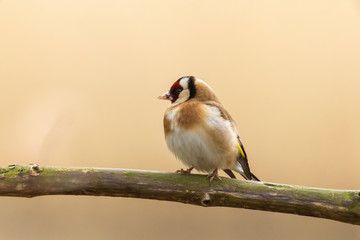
{"points": [[187, 171], [214, 175]]}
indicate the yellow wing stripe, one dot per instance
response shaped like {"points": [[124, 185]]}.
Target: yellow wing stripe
{"points": [[241, 151]]}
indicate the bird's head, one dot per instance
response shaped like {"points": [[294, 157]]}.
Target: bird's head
{"points": [[186, 88], [182, 90]]}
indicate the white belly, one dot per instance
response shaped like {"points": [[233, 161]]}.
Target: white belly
{"points": [[194, 149]]}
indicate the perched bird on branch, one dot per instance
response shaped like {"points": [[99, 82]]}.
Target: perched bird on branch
{"points": [[200, 131]]}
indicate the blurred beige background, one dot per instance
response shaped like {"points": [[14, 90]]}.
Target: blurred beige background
{"points": [[79, 86]]}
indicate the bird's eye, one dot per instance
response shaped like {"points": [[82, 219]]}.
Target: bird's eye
{"points": [[178, 90]]}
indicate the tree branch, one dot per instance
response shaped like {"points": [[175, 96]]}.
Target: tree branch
{"points": [[33, 180]]}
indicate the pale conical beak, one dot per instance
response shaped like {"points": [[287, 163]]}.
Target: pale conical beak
{"points": [[165, 96]]}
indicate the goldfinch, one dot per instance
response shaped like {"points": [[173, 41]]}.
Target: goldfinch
{"points": [[200, 131]]}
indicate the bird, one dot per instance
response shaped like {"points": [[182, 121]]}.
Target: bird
{"points": [[200, 131]]}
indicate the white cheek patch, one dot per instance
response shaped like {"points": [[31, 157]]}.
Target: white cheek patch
{"points": [[184, 82], [183, 96]]}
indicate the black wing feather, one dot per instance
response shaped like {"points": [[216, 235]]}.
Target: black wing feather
{"points": [[242, 159]]}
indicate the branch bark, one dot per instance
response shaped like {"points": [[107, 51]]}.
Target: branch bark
{"points": [[33, 180]]}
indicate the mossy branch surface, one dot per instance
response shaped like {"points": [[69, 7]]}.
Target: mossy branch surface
{"points": [[33, 180]]}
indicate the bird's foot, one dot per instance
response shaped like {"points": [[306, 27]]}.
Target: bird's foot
{"points": [[187, 171], [213, 175]]}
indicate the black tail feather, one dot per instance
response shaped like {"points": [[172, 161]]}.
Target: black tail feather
{"points": [[253, 177], [230, 173]]}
